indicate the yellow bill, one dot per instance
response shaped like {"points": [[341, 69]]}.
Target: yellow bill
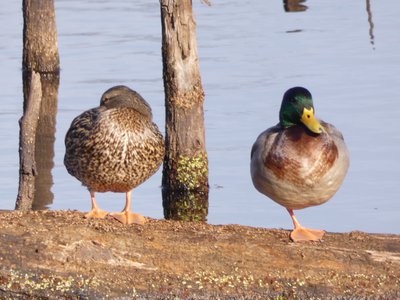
{"points": [[310, 121]]}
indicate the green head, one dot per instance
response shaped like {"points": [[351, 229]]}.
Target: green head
{"points": [[297, 108]]}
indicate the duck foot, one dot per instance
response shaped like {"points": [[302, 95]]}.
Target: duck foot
{"points": [[305, 234], [96, 213], [127, 217]]}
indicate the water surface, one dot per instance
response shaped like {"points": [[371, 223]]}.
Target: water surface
{"points": [[250, 52]]}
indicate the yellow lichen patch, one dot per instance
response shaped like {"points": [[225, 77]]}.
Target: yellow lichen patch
{"points": [[30, 282], [192, 171], [192, 207]]}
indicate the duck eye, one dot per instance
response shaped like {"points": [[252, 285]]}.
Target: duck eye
{"points": [[308, 116]]}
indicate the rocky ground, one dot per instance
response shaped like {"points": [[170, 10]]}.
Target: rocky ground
{"points": [[59, 254]]}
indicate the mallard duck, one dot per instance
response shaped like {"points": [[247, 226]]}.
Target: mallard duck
{"points": [[300, 162], [114, 148]]}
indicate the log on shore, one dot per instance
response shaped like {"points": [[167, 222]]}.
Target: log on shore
{"points": [[59, 254]]}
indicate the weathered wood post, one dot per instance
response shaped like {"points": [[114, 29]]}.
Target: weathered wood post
{"points": [[27, 163], [40, 80], [185, 170]]}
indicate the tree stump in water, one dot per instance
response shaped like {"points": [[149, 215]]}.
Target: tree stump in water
{"points": [[185, 169], [40, 58], [27, 163]]}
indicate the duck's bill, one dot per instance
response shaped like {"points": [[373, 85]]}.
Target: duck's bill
{"points": [[311, 122]]}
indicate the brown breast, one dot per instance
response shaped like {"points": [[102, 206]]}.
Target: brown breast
{"points": [[299, 156]]}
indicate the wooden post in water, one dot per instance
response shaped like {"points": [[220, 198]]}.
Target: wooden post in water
{"points": [[27, 163], [185, 169], [40, 80]]}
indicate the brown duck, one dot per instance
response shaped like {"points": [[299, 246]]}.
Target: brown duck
{"points": [[114, 148]]}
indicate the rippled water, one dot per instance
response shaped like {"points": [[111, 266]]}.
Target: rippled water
{"points": [[250, 53]]}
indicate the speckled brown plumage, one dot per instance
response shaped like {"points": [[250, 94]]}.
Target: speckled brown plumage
{"points": [[116, 146]]}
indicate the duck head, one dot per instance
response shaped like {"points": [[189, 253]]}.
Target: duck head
{"points": [[297, 108], [122, 96]]}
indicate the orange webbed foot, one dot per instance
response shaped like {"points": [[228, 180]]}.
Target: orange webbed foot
{"points": [[127, 217], [96, 213], [302, 234]]}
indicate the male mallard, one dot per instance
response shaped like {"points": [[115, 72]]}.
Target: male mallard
{"points": [[301, 161], [114, 148]]}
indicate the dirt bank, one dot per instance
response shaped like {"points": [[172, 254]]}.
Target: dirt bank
{"points": [[59, 254]]}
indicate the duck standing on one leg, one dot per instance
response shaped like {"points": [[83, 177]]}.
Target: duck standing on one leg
{"points": [[300, 162], [114, 148]]}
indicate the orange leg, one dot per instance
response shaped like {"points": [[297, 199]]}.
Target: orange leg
{"points": [[95, 212], [126, 216], [303, 234]]}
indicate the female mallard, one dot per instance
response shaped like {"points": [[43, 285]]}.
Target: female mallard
{"points": [[114, 148], [301, 161]]}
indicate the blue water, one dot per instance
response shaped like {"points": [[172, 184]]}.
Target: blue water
{"points": [[250, 53]]}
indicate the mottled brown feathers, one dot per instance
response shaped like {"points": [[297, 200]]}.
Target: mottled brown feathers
{"points": [[113, 148]]}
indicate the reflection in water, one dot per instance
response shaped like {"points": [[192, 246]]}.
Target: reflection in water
{"points": [[294, 5], [294, 31], [186, 205], [371, 24], [45, 138]]}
